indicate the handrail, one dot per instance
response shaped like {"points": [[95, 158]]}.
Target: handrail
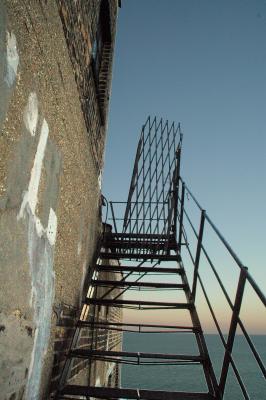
{"points": [[229, 248], [182, 239], [250, 343], [244, 276]]}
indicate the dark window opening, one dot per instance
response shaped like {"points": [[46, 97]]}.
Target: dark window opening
{"points": [[101, 54], [97, 50]]}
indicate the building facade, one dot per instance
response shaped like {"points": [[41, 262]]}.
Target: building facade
{"points": [[55, 81]]}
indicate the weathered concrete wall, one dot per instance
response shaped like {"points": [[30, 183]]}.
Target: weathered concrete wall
{"points": [[49, 193]]}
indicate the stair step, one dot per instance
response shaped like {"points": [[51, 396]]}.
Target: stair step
{"points": [[129, 244], [140, 236], [142, 394], [146, 304], [128, 326], [160, 257], [125, 268], [121, 356], [120, 284]]}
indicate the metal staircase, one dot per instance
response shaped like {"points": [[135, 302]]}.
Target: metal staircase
{"points": [[142, 255]]}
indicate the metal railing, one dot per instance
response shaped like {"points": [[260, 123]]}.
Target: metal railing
{"points": [[184, 195], [244, 276]]}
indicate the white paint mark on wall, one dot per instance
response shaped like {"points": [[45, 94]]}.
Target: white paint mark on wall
{"points": [[84, 270], [100, 180], [79, 248], [52, 227], [42, 279], [12, 59], [98, 382], [37, 167], [40, 250], [39, 227], [34, 346], [31, 196], [31, 114]]}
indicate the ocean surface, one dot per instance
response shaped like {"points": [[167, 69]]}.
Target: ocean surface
{"points": [[191, 378]]}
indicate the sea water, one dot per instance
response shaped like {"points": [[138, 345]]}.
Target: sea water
{"points": [[190, 377]]}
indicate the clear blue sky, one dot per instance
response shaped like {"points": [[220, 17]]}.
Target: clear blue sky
{"points": [[201, 63]]}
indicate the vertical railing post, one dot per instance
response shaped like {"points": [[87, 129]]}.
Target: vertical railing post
{"points": [[175, 187], [197, 258], [232, 329], [181, 216], [175, 204], [113, 216]]}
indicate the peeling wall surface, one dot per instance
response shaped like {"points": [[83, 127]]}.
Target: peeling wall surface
{"points": [[49, 194]]}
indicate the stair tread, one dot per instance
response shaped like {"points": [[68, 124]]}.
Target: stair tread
{"points": [[155, 241], [139, 245], [126, 268], [121, 324], [164, 356], [126, 393], [113, 303], [139, 236], [117, 283], [162, 257]]}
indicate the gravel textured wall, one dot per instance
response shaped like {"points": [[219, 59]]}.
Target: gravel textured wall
{"points": [[51, 147]]}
